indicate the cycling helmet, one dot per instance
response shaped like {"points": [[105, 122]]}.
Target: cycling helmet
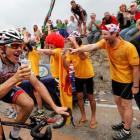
{"points": [[10, 36]]}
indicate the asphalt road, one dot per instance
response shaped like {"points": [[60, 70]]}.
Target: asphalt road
{"points": [[106, 116]]}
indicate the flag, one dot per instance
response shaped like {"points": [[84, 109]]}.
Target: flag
{"points": [[65, 86]]}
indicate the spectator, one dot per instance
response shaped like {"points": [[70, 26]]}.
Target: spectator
{"points": [[136, 41], [37, 36], [72, 26], [81, 16], [124, 66], [108, 19], [123, 17], [134, 15], [84, 74], [94, 29]]}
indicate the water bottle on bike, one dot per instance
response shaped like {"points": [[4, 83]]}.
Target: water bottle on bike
{"points": [[72, 76]]}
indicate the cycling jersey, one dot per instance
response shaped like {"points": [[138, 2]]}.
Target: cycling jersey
{"points": [[7, 71]]}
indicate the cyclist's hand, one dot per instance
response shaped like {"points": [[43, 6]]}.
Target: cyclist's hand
{"points": [[62, 110], [23, 73]]}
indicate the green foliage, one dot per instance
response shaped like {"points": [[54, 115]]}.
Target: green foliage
{"points": [[138, 2]]}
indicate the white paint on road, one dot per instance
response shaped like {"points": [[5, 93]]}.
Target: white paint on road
{"points": [[111, 106]]}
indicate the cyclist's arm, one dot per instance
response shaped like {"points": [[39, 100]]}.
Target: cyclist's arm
{"points": [[6, 86], [23, 73]]}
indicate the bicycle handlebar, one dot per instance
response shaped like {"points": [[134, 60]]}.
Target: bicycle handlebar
{"points": [[35, 132]]}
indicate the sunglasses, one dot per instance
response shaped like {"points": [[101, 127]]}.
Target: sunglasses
{"points": [[15, 46]]}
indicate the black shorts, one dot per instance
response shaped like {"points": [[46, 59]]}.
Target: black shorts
{"points": [[12, 95], [88, 83], [122, 89]]}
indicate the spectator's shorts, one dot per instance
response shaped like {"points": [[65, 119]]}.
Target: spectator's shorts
{"points": [[88, 83], [83, 21], [12, 95], [122, 89]]}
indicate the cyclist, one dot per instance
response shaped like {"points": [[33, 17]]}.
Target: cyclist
{"points": [[11, 74]]}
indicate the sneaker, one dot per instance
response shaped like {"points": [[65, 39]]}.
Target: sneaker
{"points": [[39, 112], [13, 115], [118, 127], [121, 135], [9, 111], [11, 138]]}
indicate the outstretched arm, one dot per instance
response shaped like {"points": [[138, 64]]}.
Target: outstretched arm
{"points": [[87, 48], [45, 51]]}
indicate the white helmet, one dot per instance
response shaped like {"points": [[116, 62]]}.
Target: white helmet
{"points": [[10, 36]]}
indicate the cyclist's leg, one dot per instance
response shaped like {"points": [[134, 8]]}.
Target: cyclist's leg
{"points": [[26, 105], [18, 96], [2, 136]]}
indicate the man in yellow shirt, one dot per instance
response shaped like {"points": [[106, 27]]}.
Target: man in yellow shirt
{"points": [[124, 68]]}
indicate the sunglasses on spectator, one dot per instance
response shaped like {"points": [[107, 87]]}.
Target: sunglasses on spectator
{"points": [[15, 46]]}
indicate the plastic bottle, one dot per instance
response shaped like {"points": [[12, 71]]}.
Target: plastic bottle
{"points": [[72, 76], [24, 60]]}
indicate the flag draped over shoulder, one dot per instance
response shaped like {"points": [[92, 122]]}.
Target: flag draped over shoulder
{"points": [[65, 86]]}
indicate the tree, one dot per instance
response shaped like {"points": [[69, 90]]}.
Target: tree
{"points": [[138, 2]]}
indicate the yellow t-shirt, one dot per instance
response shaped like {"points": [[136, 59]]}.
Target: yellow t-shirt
{"points": [[34, 57], [83, 68], [122, 58], [54, 62]]}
